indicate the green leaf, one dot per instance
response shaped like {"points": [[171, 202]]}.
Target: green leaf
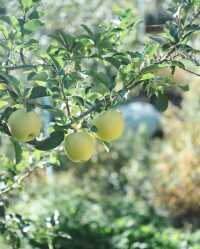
{"points": [[18, 150], [185, 88], [13, 94], [11, 20], [3, 103], [147, 76], [99, 88], [38, 92], [153, 68], [160, 40], [9, 79], [118, 59], [166, 46], [56, 63], [3, 86], [51, 142], [160, 102], [7, 112], [26, 4], [65, 39], [106, 146], [78, 100], [4, 31], [101, 78], [34, 15], [12, 84], [38, 76], [179, 64], [33, 25], [191, 29], [174, 32], [4, 128], [116, 63], [88, 30]]}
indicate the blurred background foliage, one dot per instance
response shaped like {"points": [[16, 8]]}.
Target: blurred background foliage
{"points": [[71, 14], [141, 192]]}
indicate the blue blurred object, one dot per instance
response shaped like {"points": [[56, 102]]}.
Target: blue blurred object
{"points": [[141, 115]]}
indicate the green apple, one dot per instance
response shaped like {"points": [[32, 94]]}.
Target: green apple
{"points": [[24, 126], [110, 125], [79, 146]]}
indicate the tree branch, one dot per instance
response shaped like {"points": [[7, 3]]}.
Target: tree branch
{"points": [[127, 88], [190, 71], [62, 90], [195, 17], [22, 56], [154, 28], [24, 66], [18, 181]]}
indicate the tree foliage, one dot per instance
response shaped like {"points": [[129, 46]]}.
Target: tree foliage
{"points": [[76, 75]]}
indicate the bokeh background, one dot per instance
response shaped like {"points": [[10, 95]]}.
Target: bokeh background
{"points": [[142, 194]]}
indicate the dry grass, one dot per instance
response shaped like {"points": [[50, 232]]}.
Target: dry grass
{"points": [[176, 174]]}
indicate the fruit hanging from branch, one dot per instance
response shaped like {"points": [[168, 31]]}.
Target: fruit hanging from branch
{"points": [[24, 126], [79, 146], [110, 125]]}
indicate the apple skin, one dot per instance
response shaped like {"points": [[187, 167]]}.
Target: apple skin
{"points": [[24, 126], [110, 125], [79, 146]]}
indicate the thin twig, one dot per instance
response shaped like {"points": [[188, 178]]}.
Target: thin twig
{"points": [[190, 23], [23, 66], [16, 67], [195, 17], [127, 88], [190, 71], [166, 56], [154, 28], [67, 106], [21, 52], [65, 97], [18, 181], [82, 115]]}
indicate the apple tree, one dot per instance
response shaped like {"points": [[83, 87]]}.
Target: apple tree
{"points": [[77, 80]]}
